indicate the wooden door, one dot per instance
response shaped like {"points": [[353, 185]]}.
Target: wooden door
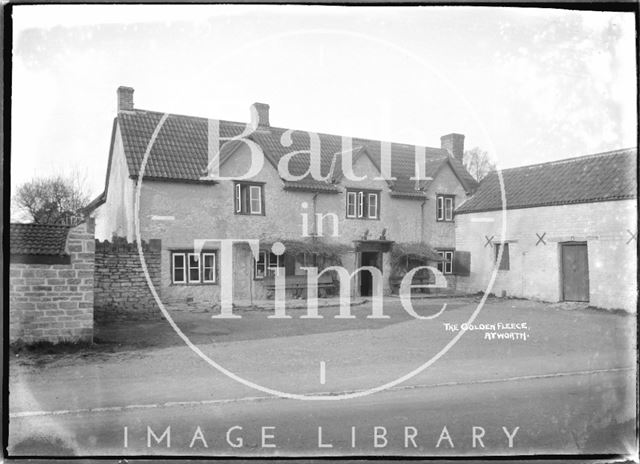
{"points": [[575, 272], [368, 258]]}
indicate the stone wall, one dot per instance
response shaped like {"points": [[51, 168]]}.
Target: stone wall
{"points": [[121, 288], [54, 302]]}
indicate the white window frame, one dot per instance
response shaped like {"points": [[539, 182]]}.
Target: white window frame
{"points": [[375, 203], [446, 266], [265, 264], [353, 204], [203, 258], [198, 258], [448, 263], [238, 188], [448, 213], [277, 267], [184, 268], [363, 204], [252, 189], [253, 198], [440, 208]]}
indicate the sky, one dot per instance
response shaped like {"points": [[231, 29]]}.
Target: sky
{"points": [[527, 85]]}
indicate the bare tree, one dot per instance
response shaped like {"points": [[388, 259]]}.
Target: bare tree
{"points": [[52, 200], [478, 163]]}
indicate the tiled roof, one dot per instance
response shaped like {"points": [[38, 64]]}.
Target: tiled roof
{"points": [[180, 150], [599, 177], [38, 239]]}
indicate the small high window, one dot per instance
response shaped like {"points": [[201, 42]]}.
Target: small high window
{"points": [[363, 204], [445, 204], [249, 198]]}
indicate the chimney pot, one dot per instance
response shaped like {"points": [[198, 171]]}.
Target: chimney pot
{"points": [[260, 114], [125, 98], [454, 144]]}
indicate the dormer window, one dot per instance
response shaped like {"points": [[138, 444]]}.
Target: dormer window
{"points": [[249, 198], [363, 204]]}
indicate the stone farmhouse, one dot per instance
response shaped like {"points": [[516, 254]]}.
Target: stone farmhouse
{"points": [[570, 229], [391, 224], [564, 231]]}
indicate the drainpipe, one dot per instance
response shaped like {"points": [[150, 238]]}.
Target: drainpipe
{"points": [[422, 219], [315, 217]]}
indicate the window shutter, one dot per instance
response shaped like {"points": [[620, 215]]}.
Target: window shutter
{"points": [[462, 263], [238, 199], [439, 208], [351, 204]]}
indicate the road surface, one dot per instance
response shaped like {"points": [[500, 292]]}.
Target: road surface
{"points": [[568, 388], [552, 414]]}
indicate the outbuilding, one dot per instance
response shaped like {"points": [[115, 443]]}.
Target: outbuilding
{"points": [[566, 232], [51, 282]]}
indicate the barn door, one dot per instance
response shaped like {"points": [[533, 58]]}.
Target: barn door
{"points": [[575, 272]]}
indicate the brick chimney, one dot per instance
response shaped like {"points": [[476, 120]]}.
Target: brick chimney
{"points": [[260, 114], [454, 144], [125, 99]]}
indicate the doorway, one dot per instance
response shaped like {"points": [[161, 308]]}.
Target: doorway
{"points": [[368, 258], [575, 271]]}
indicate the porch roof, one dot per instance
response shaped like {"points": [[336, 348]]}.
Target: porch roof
{"points": [[312, 245], [419, 250]]}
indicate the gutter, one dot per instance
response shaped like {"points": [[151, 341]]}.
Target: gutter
{"points": [[95, 203]]}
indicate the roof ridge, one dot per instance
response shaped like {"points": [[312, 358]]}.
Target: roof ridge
{"points": [[619, 151], [603, 176], [143, 111], [361, 139], [135, 126]]}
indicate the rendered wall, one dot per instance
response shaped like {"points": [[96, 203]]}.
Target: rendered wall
{"points": [[199, 211], [535, 266]]}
